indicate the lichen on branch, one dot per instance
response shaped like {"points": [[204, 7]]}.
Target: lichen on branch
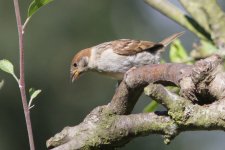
{"points": [[112, 125]]}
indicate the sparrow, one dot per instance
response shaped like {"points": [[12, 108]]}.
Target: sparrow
{"points": [[115, 58]]}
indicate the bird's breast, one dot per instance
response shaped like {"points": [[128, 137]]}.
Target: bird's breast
{"points": [[111, 64]]}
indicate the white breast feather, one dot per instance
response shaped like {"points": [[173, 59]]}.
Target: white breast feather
{"points": [[111, 64]]}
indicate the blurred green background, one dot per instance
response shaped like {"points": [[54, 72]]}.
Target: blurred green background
{"points": [[53, 36]]}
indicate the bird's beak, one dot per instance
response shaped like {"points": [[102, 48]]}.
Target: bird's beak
{"points": [[75, 75]]}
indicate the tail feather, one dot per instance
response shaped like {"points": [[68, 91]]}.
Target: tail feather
{"points": [[170, 39]]}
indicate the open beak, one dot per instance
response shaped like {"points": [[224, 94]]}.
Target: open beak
{"points": [[75, 75]]}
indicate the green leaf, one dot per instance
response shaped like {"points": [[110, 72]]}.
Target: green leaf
{"points": [[177, 52], [33, 94], [7, 66], [151, 106], [36, 5], [1, 84]]}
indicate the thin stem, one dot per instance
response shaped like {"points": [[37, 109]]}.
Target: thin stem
{"points": [[25, 24], [15, 77], [22, 81]]}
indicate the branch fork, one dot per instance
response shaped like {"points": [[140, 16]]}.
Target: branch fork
{"points": [[200, 104], [111, 126]]}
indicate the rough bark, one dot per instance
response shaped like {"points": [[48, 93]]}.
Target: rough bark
{"points": [[199, 106]]}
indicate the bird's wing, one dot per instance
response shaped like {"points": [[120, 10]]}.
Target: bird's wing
{"points": [[132, 47]]}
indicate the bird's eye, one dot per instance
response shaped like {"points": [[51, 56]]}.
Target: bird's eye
{"points": [[75, 64]]}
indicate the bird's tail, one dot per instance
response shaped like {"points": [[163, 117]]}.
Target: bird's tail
{"points": [[170, 39]]}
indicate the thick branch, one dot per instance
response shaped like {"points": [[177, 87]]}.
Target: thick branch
{"points": [[121, 130], [189, 116], [107, 127], [125, 99]]}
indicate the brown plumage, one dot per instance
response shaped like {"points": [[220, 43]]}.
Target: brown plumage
{"points": [[131, 47], [84, 53], [116, 57]]}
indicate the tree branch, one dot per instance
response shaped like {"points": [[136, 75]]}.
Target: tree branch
{"points": [[210, 16], [112, 125], [168, 9], [125, 99]]}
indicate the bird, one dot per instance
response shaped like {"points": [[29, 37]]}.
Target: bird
{"points": [[115, 58]]}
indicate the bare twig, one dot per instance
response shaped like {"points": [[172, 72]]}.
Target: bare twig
{"points": [[22, 79]]}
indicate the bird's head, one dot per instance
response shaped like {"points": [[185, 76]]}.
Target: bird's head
{"points": [[79, 64]]}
